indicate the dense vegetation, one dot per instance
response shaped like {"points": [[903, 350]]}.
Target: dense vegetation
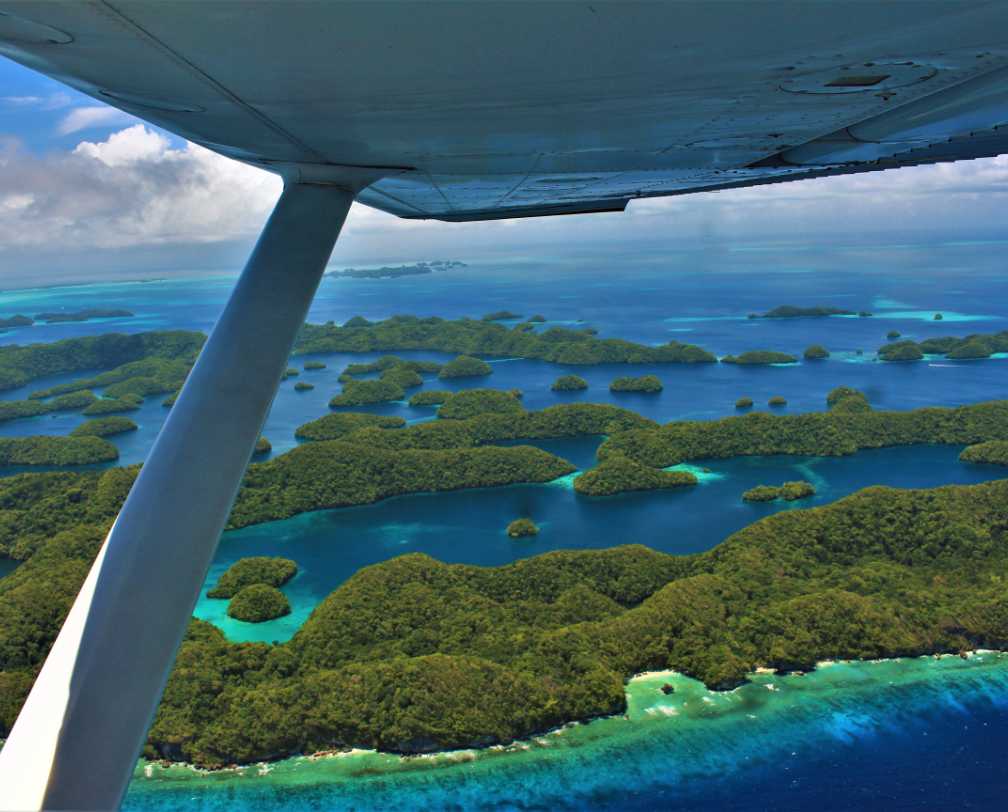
{"points": [[892, 335], [46, 450], [759, 357], [269, 570], [413, 655], [993, 452], [338, 473], [522, 528], [70, 402], [744, 403], [816, 352], [501, 315], [976, 345], [83, 315], [258, 603], [473, 402], [389, 361], [310, 365], [900, 351], [302, 386], [619, 474], [334, 426], [262, 446], [793, 312], [569, 383], [566, 420], [478, 337], [789, 491], [841, 430], [649, 384], [777, 400], [20, 365], [104, 427], [362, 393], [430, 397], [465, 366]]}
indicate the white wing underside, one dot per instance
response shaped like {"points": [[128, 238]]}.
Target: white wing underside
{"points": [[502, 109]]}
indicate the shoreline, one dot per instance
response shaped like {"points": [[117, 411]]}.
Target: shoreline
{"points": [[459, 755]]}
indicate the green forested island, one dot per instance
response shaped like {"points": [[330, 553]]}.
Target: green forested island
{"points": [[48, 450], [465, 366], [83, 315], [619, 474], [126, 403], [334, 426], [269, 570], [569, 383], [361, 393], [993, 452], [817, 352], [72, 401], [258, 603], [522, 528], [744, 403], [477, 337], [759, 357], [474, 402], [648, 384], [430, 397], [789, 491], [973, 346], [901, 351], [839, 431], [104, 427], [20, 365], [793, 312]]}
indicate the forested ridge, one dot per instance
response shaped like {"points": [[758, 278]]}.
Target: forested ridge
{"points": [[413, 655]]}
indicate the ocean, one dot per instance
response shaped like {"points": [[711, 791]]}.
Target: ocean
{"points": [[921, 734]]}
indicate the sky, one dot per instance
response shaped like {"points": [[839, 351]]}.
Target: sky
{"points": [[88, 192]]}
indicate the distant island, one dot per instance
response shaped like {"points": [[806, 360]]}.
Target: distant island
{"points": [[789, 492], [760, 357], [21, 320], [793, 312], [394, 271], [971, 347], [82, 315]]}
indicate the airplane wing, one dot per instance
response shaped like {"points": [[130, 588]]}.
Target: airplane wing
{"points": [[499, 109]]}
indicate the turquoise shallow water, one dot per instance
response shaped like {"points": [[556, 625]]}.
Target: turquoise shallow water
{"points": [[919, 734], [849, 735]]}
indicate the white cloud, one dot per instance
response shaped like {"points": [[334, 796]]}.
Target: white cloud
{"points": [[134, 202], [132, 189], [54, 101], [83, 118]]}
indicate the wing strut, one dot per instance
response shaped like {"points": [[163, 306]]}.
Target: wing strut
{"points": [[78, 736]]}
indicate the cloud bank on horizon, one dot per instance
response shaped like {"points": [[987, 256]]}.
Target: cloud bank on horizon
{"points": [[88, 191]]}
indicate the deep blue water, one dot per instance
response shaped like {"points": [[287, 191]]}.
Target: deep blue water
{"points": [[918, 752]]}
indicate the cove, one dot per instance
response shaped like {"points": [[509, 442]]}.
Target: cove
{"points": [[469, 526]]}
